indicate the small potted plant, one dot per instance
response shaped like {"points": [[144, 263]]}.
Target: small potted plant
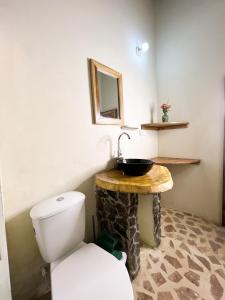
{"points": [[165, 108]]}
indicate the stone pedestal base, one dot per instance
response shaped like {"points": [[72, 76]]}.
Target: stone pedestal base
{"points": [[117, 214], [157, 218]]}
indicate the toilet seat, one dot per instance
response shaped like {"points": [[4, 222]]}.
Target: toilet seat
{"points": [[91, 273]]}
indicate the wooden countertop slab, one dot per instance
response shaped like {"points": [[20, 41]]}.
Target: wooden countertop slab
{"points": [[157, 180]]}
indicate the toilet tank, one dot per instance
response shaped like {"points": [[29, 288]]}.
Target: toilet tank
{"points": [[59, 224]]}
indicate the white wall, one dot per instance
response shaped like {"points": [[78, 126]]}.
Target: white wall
{"points": [[190, 73], [48, 142]]}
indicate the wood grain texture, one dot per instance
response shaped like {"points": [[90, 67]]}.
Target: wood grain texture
{"points": [[164, 126], [157, 180], [175, 161], [98, 118]]}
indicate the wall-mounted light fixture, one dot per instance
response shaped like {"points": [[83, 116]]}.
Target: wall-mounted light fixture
{"points": [[141, 48]]}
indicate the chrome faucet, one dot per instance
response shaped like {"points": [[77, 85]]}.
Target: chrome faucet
{"points": [[119, 153]]}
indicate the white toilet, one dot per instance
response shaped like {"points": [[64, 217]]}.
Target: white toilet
{"points": [[79, 271]]}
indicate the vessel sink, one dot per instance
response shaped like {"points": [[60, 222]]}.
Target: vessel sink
{"points": [[134, 166]]}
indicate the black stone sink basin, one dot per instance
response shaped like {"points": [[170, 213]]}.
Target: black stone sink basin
{"points": [[134, 166]]}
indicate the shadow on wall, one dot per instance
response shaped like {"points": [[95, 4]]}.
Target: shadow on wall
{"points": [[24, 258], [88, 188]]}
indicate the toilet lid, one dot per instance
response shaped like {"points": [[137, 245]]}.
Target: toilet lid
{"points": [[91, 273]]}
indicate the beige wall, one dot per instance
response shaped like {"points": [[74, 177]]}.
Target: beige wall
{"points": [[48, 142], [190, 73], [5, 291]]}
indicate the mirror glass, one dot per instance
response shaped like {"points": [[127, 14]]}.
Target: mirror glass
{"points": [[106, 94]]}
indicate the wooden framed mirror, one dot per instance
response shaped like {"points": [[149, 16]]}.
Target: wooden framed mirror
{"points": [[107, 96]]}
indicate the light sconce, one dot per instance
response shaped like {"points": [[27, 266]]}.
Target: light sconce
{"points": [[140, 49]]}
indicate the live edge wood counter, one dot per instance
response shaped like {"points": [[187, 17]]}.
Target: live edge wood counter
{"points": [[117, 209], [157, 180]]}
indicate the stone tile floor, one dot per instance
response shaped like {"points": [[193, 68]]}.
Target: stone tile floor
{"points": [[189, 263]]}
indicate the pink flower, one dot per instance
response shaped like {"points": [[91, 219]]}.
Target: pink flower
{"points": [[165, 106]]}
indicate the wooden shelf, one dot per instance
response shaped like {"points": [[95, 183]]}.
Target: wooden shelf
{"points": [[175, 161], [164, 126]]}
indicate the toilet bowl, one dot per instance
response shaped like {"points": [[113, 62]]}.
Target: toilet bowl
{"points": [[78, 270]]}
